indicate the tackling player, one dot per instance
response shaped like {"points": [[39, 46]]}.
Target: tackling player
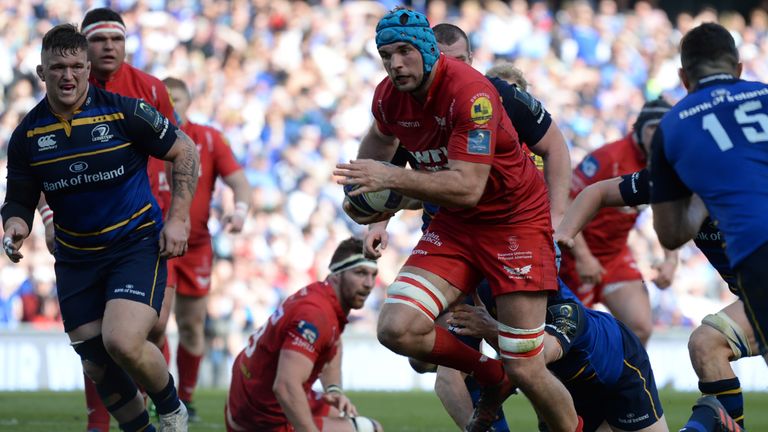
{"points": [[272, 377], [193, 270]]}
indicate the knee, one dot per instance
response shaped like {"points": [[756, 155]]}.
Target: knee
{"points": [[399, 333], [525, 373], [642, 329], [124, 349], [703, 343]]}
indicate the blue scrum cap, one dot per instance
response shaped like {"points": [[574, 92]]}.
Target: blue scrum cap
{"points": [[409, 26]]}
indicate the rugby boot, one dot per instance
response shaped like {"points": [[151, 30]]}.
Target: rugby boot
{"points": [[723, 421], [487, 407], [176, 421]]}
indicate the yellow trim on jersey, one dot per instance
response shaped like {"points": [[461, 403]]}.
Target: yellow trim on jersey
{"points": [[645, 387], [91, 153], [97, 119], [140, 227], [154, 281], [95, 248], [109, 228], [45, 129], [578, 373]]}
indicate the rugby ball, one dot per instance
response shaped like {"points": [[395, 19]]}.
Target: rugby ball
{"points": [[386, 201]]}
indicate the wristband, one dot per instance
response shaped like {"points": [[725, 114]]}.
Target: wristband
{"points": [[46, 214], [333, 388]]}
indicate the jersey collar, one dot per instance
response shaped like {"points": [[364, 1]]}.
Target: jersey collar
{"points": [[334, 301], [710, 80], [436, 83]]}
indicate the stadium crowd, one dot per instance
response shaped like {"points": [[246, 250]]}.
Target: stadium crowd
{"points": [[289, 84]]}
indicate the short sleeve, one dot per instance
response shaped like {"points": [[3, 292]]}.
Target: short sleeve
{"points": [[18, 157], [224, 160], [310, 332], [565, 321], [530, 119], [586, 173], [664, 182], [476, 118], [635, 188], [149, 130]]}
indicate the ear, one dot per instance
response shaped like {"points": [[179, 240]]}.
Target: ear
{"points": [[739, 69], [39, 70]]}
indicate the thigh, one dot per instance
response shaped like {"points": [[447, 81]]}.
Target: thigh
{"points": [[629, 302], [736, 312], [633, 403], [515, 258], [752, 276], [139, 274], [81, 291], [193, 271]]}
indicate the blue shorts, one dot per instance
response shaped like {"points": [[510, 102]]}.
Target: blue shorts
{"points": [[752, 280], [631, 404], [134, 271]]}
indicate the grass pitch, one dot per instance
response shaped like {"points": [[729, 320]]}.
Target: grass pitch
{"points": [[397, 411]]}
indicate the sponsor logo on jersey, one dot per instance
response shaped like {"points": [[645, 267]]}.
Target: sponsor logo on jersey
{"points": [[82, 178], [479, 142], [432, 159], [431, 237], [589, 166], [47, 142], [78, 166], [409, 123], [150, 115], [482, 110], [518, 271], [440, 121], [308, 331], [101, 133], [513, 244]]}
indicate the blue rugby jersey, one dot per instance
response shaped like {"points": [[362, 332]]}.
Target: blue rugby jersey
{"points": [[92, 169], [635, 190], [714, 142]]}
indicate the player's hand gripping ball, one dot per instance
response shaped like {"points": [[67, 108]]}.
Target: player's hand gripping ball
{"points": [[368, 203]]}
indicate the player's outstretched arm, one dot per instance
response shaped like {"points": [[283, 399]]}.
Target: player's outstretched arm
{"points": [[186, 165], [17, 211], [293, 369], [588, 202], [242, 192], [557, 169]]}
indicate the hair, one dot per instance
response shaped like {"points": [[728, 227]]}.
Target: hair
{"points": [[708, 48], [176, 83], [449, 34], [508, 72], [101, 14], [64, 39], [346, 249]]}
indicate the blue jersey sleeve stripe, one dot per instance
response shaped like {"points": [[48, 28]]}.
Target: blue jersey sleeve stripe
{"points": [[109, 228], [77, 155]]}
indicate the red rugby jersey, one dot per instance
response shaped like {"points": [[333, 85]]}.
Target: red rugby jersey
{"points": [[463, 119], [216, 159], [132, 82], [309, 322], [607, 234]]}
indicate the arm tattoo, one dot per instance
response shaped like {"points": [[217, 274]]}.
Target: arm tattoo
{"points": [[185, 168]]}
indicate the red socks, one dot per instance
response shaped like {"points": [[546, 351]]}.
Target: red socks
{"points": [[98, 416], [451, 352], [189, 365]]}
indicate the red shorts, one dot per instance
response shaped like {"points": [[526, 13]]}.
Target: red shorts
{"points": [[191, 273], [619, 268], [512, 258], [320, 410]]}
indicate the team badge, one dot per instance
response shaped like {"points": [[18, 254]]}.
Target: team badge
{"points": [[149, 114], [308, 331], [589, 166], [479, 142], [482, 110]]}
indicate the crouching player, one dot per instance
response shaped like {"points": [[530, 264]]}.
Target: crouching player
{"points": [[723, 337], [602, 364], [272, 377]]}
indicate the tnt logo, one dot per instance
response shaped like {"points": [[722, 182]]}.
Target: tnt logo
{"points": [[47, 142]]}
